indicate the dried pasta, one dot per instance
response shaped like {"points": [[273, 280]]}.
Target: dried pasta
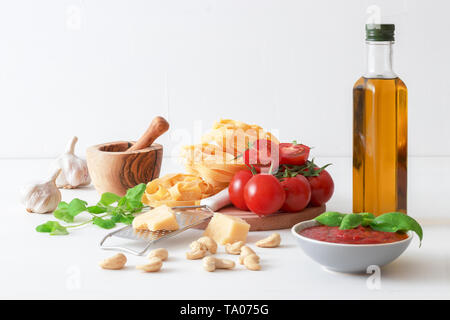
{"points": [[234, 136], [210, 165], [176, 190], [218, 158]]}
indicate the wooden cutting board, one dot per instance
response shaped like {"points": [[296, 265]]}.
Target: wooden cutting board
{"points": [[274, 221]]}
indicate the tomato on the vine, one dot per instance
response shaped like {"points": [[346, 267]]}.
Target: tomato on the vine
{"points": [[294, 154], [322, 187], [262, 155], [236, 188], [298, 193], [264, 194], [320, 181]]}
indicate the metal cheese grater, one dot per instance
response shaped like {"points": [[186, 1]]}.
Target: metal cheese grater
{"points": [[187, 217]]}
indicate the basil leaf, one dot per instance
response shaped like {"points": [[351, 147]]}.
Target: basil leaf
{"points": [[63, 215], [367, 218], [77, 206], [367, 215], [134, 195], [127, 219], [351, 221], [67, 212], [330, 218], [62, 205], [52, 227], [132, 201], [59, 231], [46, 227], [108, 198], [96, 209], [396, 221], [121, 217], [103, 223], [62, 212]]}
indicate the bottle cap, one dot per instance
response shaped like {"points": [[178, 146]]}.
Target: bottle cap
{"points": [[380, 32]]}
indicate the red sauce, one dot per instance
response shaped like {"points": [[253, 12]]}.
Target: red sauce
{"points": [[359, 235]]}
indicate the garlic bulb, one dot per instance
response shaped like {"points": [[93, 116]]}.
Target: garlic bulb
{"points": [[42, 197], [74, 171]]}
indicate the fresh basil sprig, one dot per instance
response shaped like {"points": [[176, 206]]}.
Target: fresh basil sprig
{"points": [[330, 218], [388, 222], [104, 214]]}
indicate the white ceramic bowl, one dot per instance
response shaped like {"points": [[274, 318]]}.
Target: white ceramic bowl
{"points": [[351, 258]]}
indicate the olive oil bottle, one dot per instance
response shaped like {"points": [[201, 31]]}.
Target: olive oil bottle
{"points": [[380, 132]]}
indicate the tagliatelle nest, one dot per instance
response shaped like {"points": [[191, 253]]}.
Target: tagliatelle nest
{"points": [[218, 158], [210, 165], [176, 190], [234, 136]]}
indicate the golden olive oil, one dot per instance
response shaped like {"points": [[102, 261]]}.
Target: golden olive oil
{"points": [[379, 145]]}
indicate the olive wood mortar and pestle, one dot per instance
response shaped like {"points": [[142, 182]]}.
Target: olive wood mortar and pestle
{"points": [[117, 166]]}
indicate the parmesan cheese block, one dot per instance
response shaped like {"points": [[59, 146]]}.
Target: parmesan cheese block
{"points": [[160, 218], [227, 229]]}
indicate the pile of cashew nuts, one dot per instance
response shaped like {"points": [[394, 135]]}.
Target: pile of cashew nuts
{"points": [[199, 249]]}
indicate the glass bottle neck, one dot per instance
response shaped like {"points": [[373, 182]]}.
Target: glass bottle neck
{"points": [[379, 60]]}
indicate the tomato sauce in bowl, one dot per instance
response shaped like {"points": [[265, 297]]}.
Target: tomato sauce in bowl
{"points": [[359, 235]]}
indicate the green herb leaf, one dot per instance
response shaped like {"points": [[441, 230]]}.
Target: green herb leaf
{"points": [[122, 218], [135, 193], [103, 223], [108, 198], [53, 228], [396, 221], [351, 221], [77, 206], [134, 197], [367, 215], [123, 212], [96, 209], [330, 218], [68, 211], [367, 218]]}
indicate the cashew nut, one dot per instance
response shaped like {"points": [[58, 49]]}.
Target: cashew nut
{"points": [[210, 244], [210, 264], [245, 251], [115, 262], [251, 262], [154, 264], [272, 241], [198, 251], [159, 253], [234, 248]]}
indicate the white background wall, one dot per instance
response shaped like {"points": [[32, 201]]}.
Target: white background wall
{"points": [[101, 69]]}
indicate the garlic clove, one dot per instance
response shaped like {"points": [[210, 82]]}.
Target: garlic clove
{"points": [[74, 170], [42, 197]]}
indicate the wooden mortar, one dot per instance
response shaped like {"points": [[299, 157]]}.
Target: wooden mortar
{"points": [[117, 166]]}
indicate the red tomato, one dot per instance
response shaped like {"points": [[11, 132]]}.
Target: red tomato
{"points": [[322, 188], [236, 188], [264, 194], [298, 193], [262, 154], [295, 154]]}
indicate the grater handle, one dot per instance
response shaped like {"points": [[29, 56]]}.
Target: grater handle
{"points": [[217, 201]]}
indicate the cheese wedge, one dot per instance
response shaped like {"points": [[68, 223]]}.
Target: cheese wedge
{"points": [[160, 218], [227, 229]]}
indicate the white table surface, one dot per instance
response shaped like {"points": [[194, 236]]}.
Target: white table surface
{"points": [[36, 265]]}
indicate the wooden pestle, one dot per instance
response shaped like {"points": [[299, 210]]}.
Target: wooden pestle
{"points": [[157, 127]]}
